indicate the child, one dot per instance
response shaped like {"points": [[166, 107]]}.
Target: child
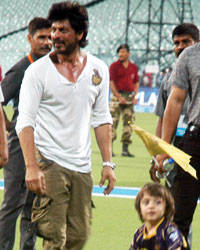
{"points": [[155, 207]]}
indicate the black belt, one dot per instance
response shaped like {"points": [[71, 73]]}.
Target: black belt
{"points": [[193, 128], [125, 92]]}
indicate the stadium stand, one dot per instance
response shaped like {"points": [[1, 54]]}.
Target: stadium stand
{"points": [[108, 20]]}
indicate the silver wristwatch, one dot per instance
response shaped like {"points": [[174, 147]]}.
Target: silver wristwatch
{"points": [[109, 164]]}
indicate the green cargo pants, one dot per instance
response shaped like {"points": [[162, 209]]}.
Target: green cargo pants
{"points": [[63, 214]]}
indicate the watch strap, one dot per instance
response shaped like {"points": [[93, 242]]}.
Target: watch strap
{"points": [[109, 164]]}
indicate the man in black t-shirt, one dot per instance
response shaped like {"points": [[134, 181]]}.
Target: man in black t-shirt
{"points": [[17, 198]]}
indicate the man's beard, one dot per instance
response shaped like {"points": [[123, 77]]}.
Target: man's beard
{"points": [[180, 51], [123, 59], [69, 49]]}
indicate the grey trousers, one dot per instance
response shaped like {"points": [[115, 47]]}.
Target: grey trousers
{"points": [[17, 199]]}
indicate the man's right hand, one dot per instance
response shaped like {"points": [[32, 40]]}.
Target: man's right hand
{"points": [[3, 155], [35, 180], [121, 100]]}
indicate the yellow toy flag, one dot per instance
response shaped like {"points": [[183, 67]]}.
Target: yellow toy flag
{"points": [[155, 146]]}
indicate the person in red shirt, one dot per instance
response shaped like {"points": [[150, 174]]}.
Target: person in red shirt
{"points": [[124, 84]]}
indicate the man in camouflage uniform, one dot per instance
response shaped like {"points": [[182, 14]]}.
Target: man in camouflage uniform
{"points": [[124, 83]]}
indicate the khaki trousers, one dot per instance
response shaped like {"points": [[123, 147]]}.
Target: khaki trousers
{"points": [[63, 214]]}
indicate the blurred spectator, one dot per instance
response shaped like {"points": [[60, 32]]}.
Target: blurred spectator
{"points": [[146, 79], [160, 77]]}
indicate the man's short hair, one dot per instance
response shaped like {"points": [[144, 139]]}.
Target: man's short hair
{"points": [[38, 23], [123, 46], [75, 13], [186, 29]]}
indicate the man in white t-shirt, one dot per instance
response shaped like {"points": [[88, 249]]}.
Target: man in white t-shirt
{"points": [[3, 137], [61, 96]]}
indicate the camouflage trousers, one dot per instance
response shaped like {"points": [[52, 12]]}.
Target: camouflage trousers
{"points": [[128, 117]]}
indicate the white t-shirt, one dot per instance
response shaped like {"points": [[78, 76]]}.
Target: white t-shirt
{"points": [[1, 95], [62, 112]]}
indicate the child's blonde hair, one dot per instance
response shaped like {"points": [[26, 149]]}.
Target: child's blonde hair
{"points": [[156, 190]]}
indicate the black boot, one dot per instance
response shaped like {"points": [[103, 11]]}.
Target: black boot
{"points": [[125, 151]]}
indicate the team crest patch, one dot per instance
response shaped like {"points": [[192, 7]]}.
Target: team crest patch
{"points": [[96, 78]]}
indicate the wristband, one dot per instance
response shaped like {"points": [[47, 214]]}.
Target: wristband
{"points": [[109, 164]]}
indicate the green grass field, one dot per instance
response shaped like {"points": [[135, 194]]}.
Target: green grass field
{"points": [[115, 219]]}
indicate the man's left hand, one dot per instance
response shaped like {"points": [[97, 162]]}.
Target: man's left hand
{"points": [[108, 173], [152, 172], [134, 101]]}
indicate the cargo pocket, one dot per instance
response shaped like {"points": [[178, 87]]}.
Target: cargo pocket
{"points": [[43, 162], [41, 217]]}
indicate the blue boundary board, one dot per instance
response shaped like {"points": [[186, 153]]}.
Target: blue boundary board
{"points": [[118, 192], [121, 192]]}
